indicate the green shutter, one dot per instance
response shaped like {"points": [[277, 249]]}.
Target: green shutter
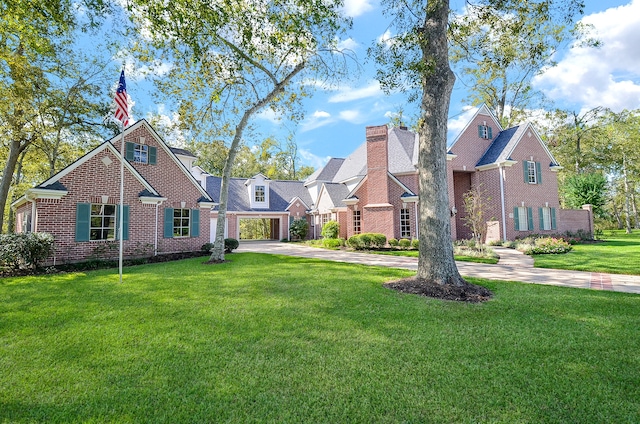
{"points": [[153, 153], [125, 222], [168, 223], [541, 218], [83, 221], [530, 218], [553, 219], [490, 133], [526, 171], [129, 147], [195, 222], [515, 219], [480, 132], [538, 173]]}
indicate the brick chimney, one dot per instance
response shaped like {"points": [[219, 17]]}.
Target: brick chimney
{"points": [[377, 165]]}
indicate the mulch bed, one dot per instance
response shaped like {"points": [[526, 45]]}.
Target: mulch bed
{"points": [[466, 292]]}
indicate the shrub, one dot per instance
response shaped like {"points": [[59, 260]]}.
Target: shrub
{"points": [[548, 245], [25, 249], [207, 247], [331, 243], [393, 242], [331, 230], [367, 241], [404, 243], [230, 244], [299, 228], [415, 243]]}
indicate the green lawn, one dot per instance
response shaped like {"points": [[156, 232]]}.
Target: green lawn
{"points": [[415, 253], [618, 253], [279, 339]]}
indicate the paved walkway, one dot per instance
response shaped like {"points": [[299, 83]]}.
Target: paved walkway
{"points": [[513, 266]]}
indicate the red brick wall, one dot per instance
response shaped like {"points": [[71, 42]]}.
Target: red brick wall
{"points": [[93, 179], [469, 147]]}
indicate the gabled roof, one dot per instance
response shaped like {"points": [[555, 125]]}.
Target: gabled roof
{"points": [[505, 143], [281, 193], [482, 110], [327, 172], [336, 192], [183, 152], [53, 184], [166, 148]]}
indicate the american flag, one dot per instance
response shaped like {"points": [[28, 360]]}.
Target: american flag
{"points": [[122, 108]]}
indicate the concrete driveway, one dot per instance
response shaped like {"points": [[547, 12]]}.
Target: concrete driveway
{"points": [[513, 266]]}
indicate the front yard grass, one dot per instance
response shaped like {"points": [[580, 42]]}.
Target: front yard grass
{"points": [[618, 253], [415, 254], [267, 338]]}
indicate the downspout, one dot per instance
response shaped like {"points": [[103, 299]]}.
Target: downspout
{"points": [[415, 206], [155, 241], [504, 216]]}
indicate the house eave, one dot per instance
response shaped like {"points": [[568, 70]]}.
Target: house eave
{"points": [[494, 165], [152, 200]]}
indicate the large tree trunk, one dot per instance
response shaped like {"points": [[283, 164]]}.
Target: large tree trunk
{"points": [[436, 263], [16, 147]]}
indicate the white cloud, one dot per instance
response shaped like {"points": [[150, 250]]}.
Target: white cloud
{"points": [[313, 160], [385, 37], [608, 76], [348, 94], [356, 8], [352, 116], [321, 114], [348, 44], [270, 115]]}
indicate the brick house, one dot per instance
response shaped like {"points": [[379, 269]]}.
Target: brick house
{"points": [[375, 189], [79, 205]]}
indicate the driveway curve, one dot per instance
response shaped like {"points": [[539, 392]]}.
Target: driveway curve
{"points": [[513, 266]]}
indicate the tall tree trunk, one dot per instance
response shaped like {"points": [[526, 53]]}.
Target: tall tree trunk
{"points": [[627, 196], [436, 263], [16, 147], [217, 252], [634, 207]]}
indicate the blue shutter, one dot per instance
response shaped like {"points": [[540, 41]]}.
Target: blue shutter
{"points": [[526, 171], [153, 154], [530, 218], [480, 132], [541, 218], [195, 222], [168, 223], [83, 221], [538, 173], [125, 222], [490, 133], [129, 147], [553, 219], [515, 219]]}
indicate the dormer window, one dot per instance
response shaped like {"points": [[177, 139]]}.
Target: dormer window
{"points": [[484, 131], [258, 191], [259, 196]]}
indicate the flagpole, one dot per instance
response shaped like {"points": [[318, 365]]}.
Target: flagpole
{"points": [[120, 224]]}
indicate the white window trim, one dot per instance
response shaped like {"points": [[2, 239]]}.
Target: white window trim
{"points": [[531, 172]]}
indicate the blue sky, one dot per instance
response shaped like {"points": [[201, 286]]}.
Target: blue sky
{"points": [[335, 120]]}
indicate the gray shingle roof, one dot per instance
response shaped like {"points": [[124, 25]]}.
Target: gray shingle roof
{"points": [[280, 194], [337, 193], [502, 146], [183, 152], [327, 172]]}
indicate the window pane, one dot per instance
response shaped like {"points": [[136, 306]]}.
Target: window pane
{"points": [[110, 210]]}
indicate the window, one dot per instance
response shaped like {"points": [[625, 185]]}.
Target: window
{"points": [[485, 132], [103, 222], [140, 153], [324, 218], [259, 194], [523, 218], [181, 222], [356, 222], [547, 217], [532, 172], [405, 223], [26, 222]]}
